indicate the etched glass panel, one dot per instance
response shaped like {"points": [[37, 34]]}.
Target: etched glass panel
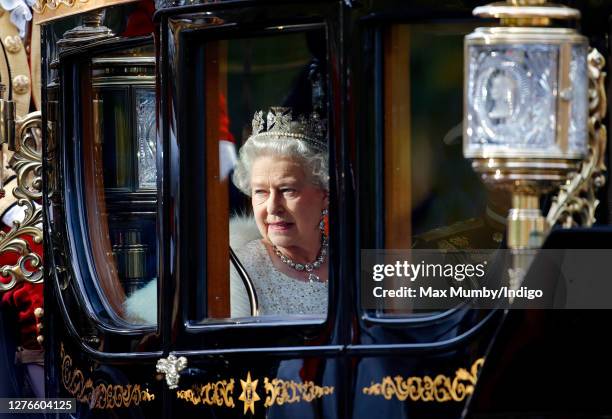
{"points": [[145, 121], [511, 96], [579, 97]]}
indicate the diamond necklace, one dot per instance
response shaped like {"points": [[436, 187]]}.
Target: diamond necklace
{"points": [[308, 267]]}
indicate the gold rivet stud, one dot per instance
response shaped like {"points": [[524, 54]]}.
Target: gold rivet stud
{"points": [[13, 44], [21, 84]]}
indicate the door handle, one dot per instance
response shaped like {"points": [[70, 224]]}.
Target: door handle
{"points": [[171, 367]]}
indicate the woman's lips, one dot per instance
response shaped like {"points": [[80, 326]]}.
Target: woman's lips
{"points": [[281, 226]]}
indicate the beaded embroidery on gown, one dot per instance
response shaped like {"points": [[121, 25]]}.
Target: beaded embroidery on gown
{"points": [[277, 293]]}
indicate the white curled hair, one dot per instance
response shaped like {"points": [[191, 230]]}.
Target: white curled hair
{"points": [[316, 163]]}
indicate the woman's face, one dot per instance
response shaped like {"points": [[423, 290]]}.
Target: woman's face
{"points": [[286, 205]]}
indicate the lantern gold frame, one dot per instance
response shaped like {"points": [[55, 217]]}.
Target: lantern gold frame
{"points": [[528, 174]]}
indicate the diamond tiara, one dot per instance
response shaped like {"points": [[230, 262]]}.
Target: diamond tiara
{"points": [[280, 123]]}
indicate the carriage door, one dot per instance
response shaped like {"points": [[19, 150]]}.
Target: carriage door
{"points": [[239, 347], [101, 215], [418, 198]]}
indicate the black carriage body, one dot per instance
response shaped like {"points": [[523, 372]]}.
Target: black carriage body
{"points": [[354, 364]]}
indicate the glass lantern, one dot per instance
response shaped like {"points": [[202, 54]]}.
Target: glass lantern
{"points": [[526, 107]]}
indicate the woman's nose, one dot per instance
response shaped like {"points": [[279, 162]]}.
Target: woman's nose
{"points": [[275, 204]]}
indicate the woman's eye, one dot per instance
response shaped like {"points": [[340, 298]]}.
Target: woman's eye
{"points": [[259, 191]]}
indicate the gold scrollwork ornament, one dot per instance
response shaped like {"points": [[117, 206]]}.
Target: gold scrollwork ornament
{"points": [[576, 202], [217, 393], [101, 395], [281, 392], [277, 391], [440, 388], [27, 164], [41, 5], [49, 10]]}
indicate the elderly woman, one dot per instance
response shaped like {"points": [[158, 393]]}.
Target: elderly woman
{"points": [[283, 167]]}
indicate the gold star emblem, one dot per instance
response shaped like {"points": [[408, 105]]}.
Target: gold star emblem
{"points": [[249, 396]]}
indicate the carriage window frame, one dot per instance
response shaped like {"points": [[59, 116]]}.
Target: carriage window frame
{"points": [[226, 30], [372, 37], [95, 303]]}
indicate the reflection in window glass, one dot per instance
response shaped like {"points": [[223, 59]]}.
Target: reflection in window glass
{"points": [[145, 120], [429, 196], [422, 96], [267, 154], [116, 149], [439, 170], [119, 166]]}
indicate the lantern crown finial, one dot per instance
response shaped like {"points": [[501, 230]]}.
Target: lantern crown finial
{"points": [[526, 2], [527, 12]]}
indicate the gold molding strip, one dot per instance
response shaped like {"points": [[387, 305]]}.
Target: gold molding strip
{"points": [[218, 393], [427, 389], [276, 391], [288, 391], [102, 395], [27, 164], [49, 10]]}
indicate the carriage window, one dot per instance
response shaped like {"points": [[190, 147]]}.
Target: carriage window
{"points": [[120, 192], [265, 163], [428, 196], [422, 93]]}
